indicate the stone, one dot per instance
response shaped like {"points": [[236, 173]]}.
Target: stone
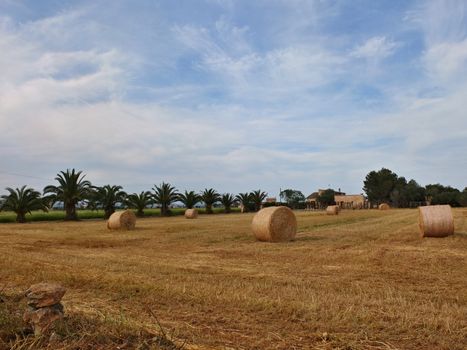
{"points": [[44, 294], [43, 319]]}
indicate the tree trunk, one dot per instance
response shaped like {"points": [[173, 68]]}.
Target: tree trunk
{"points": [[164, 210], [140, 213], [108, 212], [227, 210], [70, 212], [208, 209], [20, 217]]}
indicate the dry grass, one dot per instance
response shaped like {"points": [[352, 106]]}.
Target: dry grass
{"points": [[360, 280]]}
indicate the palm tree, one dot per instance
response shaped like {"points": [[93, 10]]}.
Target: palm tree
{"points": [[189, 199], [227, 201], [72, 188], [257, 197], [245, 200], [210, 197], [139, 201], [22, 201], [165, 195], [108, 196]]}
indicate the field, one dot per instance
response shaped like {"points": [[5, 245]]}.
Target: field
{"points": [[361, 280], [56, 215]]}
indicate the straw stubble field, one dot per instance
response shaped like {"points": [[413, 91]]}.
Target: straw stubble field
{"points": [[359, 280]]}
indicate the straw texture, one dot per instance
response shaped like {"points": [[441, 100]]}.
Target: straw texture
{"points": [[384, 206], [122, 220], [436, 221], [191, 213], [274, 224], [332, 210]]}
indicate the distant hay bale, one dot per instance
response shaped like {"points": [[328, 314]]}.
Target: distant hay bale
{"points": [[436, 221], [332, 210], [384, 206], [274, 224], [191, 213], [122, 220]]}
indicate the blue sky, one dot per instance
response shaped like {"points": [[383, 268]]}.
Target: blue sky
{"points": [[235, 95]]}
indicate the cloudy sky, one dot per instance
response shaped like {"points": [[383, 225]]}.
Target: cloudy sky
{"points": [[235, 95]]}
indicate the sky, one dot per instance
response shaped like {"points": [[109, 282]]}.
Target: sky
{"points": [[234, 95]]}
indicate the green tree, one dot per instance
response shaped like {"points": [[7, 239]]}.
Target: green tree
{"points": [[164, 195], [210, 197], [414, 192], [398, 195], [22, 201], [294, 198], [462, 198], [326, 197], [108, 196], [227, 201], [245, 201], [72, 189], [439, 194], [257, 198], [189, 199], [378, 185], [139, 201]]}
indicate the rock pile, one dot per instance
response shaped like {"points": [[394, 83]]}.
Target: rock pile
{"points": [[44, 307]]}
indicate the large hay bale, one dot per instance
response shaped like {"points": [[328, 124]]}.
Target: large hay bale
{"points": [[191, 213], [332, 210], [274, 224], [384, 206], [122, 220], [436, 221]]}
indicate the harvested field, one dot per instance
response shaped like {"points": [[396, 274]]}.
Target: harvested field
{"points": [[359, 280]]}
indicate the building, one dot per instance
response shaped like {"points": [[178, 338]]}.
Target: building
{"points": [[344, 201], [351, 201], [312, 200]]}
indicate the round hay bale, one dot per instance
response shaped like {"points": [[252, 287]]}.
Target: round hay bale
{"points": [[274, 224], [332, 210], [384, 206], [191, 213], [122, 220], [436, 221]]}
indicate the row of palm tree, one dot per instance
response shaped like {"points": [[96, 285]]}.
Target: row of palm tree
{"points": [[72, 189]]}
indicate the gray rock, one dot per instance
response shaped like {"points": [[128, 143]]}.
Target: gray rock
{"points": [[44, 294], [43, 319]]}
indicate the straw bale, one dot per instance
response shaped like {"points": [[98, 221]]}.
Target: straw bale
{"points": [[191, 213], [332, 210], [274, 224], [436, 221], [384, 206], [122, 220]]}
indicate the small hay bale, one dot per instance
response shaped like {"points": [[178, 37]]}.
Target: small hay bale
{"points": [[122, 220], [191, 213], [274, 224], [436, 221], [384, 206], [332, 210]]}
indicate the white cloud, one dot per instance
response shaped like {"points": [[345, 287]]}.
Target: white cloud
{"points": [[447, 61], [286, 120], [376, 48]]}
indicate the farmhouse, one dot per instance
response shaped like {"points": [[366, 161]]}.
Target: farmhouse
{"points": [[343, 201], [312, 199], [351, 201]]}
